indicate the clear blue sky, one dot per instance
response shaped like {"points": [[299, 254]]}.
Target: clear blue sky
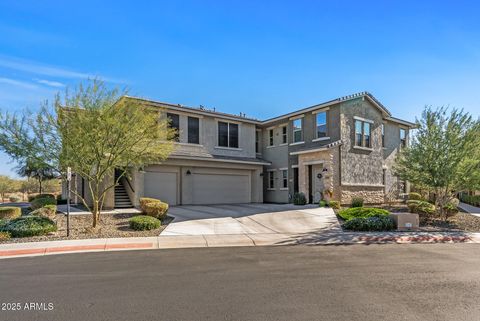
{"points": [[263, 58]]}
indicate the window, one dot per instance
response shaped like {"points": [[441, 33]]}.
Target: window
{"points": [[174, 123], [297, 130], [384, 177], [362, 134], [383, 135], [227, 135], [284, 134], [358, 133], [322, 124], [284, 178], [271, 179], [366, 134], [270, 137], [193, 130], [257, 141], [403, 137]]}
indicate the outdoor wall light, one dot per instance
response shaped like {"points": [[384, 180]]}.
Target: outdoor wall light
{"points": [[188, 172]]}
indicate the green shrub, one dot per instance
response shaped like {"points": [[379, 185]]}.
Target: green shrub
{"points": [[421, 207], [153, 207], [49, 211], [415, 196], [335, 205], [41, 202], [144, 223], [361, 212], [34, 197], [470, 199], [323, 203], [14, 199], [451, 208], [299, 199], [372, 223], [357, 202], [3, 224], [30, 226], [10, 212], [4, 236]]}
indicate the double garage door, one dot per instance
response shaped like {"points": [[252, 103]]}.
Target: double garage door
{"points": [[200, 186]]}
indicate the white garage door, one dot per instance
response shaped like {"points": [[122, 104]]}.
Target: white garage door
{"points": [[162, 186], [221, 188]]}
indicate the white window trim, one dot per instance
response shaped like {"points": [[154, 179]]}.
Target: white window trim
{"points": [[320, 139], [363, 119], [295, 166], [320, 110], [227, 148], [363, 148], [296, 117], [297, 143]]}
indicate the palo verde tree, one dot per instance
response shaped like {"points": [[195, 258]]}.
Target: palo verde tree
{"points": [[38, 171], [443, 155], [95, 131]]}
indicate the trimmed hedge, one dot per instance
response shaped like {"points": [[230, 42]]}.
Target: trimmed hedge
{"points": [[153, 207], [49, 211], [30, 226], [42, 202], [373, 223], [420, 207], [357, 202], [31, 198], [299, 199], [323, 203], [144, 223], [361, 212], [5, 236], [10, 212], [335, 205], [415, 196], [470, 199]]}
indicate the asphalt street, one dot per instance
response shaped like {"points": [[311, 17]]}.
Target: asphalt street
{"points": [[358, 282]]}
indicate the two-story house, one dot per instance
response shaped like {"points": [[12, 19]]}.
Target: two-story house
{"points": [[338, 149]]}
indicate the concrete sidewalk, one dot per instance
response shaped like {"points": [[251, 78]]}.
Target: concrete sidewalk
{"points": [[470, 209], [11, 250]]}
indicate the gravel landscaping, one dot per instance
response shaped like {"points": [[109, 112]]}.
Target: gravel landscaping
{"points": [[111, 225], [460, 222]]}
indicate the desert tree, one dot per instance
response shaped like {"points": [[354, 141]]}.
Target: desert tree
{"points": [[94, 130], [443, 154]]}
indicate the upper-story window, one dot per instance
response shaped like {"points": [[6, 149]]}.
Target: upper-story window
{"points": [[193, 130], [284, 134], [362, 134], [174, 123], [383, 134], [297, 130], [403, 137], [227, 134], [257, 141], [270, 137], [322, 124]]}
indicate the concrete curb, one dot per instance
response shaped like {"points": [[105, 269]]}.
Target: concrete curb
{"points": [[12, 250]]}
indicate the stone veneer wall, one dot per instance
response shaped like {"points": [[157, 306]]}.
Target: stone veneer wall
{"points": [[370, 195], [331, 178]]}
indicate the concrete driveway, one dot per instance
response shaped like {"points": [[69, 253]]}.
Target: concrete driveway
{"points": [[250, 219]]}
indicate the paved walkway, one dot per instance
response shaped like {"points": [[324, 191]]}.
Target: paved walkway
{"points": [[470, 209], [241, 219], [77, 211]]}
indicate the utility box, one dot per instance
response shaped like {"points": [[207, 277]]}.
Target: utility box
{"points": [[406, 221]]}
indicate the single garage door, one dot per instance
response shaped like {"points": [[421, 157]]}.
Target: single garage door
{"points": [[209, 188], [162, 186]]}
